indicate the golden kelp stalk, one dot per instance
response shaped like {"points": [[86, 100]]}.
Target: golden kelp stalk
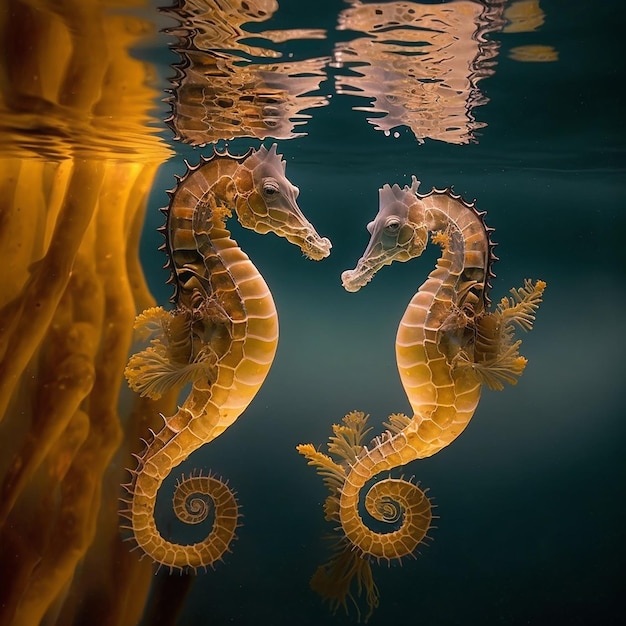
{"points": [[77, 163], [223, 90], [420, 63]]}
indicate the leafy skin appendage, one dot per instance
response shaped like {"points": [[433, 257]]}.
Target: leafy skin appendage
{"points": [[449, 344], [221, 337]]}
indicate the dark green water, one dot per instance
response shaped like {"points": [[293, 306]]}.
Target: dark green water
{"points": [[530, 497]]}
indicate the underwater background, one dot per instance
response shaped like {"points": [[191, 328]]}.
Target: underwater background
{"points": [[530, 496]]}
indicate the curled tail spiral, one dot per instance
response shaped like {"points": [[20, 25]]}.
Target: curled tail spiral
{"points": [[170, 361], [396, 502], [196, 498]]}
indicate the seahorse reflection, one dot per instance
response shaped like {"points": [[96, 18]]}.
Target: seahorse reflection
{"points": [[421, 64], [222, 91], [526, 16], [448, 346]]}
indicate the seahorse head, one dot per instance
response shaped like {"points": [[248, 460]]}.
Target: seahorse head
{"points": [[397, 233], [267, 202]]}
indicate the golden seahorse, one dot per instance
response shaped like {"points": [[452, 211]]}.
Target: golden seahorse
{"points": [[221, 337], [448, 346]]}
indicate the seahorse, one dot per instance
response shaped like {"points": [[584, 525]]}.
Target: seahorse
{"points": [[221, 337], [448, 346]]}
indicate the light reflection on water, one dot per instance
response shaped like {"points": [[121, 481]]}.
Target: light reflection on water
{"points": [[418, 64], [226, 88]]}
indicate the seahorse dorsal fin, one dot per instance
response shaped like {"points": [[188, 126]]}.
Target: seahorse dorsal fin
{"points": [[270, 157]]}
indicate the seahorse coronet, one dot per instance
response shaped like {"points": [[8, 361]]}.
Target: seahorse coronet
{"points": [[449, 345], [221, 337]]}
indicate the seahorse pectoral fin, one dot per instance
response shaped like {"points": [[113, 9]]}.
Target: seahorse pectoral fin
{"points": [[210, 212], [465, 298], [212, 310]]}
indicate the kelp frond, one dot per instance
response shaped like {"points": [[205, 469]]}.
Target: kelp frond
{"points": [[495, 357], [152, 372], [397, 423], [522, 306], [153, 321], [347, 577], [347, 440], [332, 474]]}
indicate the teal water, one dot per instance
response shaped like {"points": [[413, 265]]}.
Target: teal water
{"points": [[530, 495]]}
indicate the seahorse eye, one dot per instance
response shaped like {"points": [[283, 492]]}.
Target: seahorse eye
{"points": [[392, 226], [271, 111], [270, 187]]}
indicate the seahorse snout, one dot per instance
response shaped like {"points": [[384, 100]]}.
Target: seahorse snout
{"points": [[353, 280], [318, 249]]}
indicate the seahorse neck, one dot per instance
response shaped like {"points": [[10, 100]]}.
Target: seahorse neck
{"points": [[225, 189], [468, 246], [464, 263], [195, 230], [221, 195]]}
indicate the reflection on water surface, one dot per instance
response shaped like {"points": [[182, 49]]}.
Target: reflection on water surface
{"points": [[418, 64], [225, 88]]}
